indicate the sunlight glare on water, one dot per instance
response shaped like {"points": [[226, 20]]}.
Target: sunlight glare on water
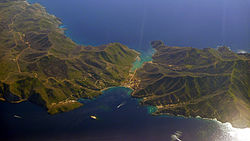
{"points": [[237, 134]]}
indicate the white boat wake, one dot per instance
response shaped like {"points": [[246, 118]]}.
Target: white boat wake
{"points": [[176, 136], [120, 105], [16, 116]]}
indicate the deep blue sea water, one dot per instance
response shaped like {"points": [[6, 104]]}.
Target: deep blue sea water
{"points": [[129, 122], [196, 23]]}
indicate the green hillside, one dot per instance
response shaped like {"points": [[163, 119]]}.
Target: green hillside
{"points": [[211, 83], [40, 64]]}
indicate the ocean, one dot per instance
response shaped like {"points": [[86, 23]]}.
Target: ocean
{"points": [[119, 118], [135, 23]]}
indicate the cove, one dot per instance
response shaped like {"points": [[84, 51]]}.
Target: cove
{"points": [[129, 122]]}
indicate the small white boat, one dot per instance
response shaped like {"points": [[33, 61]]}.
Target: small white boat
{"points": [[120, 105], [93, 117], [16, 116]]}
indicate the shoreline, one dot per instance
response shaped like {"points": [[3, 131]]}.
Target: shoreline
{"points": [[235, 49], [66, 32], [178, 116], [82, 44]]}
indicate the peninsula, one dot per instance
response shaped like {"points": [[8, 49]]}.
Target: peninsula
{"points": [[41, 65], [38, 63], [210, 83]]}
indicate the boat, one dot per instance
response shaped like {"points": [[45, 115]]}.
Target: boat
{"points": [[120, 105], [16, 116], [93, 117]]}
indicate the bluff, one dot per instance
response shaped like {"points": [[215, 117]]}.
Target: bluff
{"points": [[211, 83], [38, 63]]}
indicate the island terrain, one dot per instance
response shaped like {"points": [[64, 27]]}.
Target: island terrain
{"points": [[210, 83], [41, 65], [38, 63]]}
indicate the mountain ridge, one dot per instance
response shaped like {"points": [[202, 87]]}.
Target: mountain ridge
{"points": [[211, 83], [40, 64]]}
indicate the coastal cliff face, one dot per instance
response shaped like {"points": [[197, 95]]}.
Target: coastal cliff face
{"points": [[211, 83], [40, 64]]}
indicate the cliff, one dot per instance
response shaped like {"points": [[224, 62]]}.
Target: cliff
{"points": [[40, 64], [211, 83]]}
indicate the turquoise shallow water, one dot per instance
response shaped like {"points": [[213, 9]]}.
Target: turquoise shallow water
{"points": [[128, 122], [133, 23], [144, 57]]}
